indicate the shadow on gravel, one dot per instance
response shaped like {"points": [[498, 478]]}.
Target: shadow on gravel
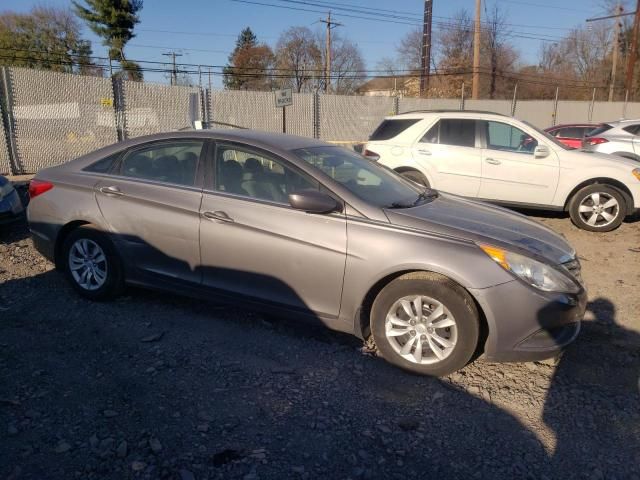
{"points": [[14, 232], [593, 402]]}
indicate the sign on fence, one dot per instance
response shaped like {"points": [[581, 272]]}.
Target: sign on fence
{"points": [[284, 97]]}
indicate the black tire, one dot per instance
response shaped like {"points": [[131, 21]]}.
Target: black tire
{"points": [[580, 219], [443, 290], [113, 285], [416, 177]]}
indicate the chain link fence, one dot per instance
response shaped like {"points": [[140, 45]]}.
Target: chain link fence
{"points": [[55, 117]]}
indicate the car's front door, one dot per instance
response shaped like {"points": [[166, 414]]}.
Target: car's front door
{"points": [[151, 203], [510, 171], [255, 245], [449, 153]]}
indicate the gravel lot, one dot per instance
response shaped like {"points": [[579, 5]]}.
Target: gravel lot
{"points": [[158, 386]]}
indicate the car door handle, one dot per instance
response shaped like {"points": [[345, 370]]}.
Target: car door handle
{"points": [[217, 215], [112, 191], [492, 161], [424, 152]]}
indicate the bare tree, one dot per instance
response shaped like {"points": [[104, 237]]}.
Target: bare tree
{"points": [[501, 57], [347, 64], [298, 59], [409, 51]]}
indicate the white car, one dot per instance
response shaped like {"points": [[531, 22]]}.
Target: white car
{"points": [[616, 138], [500, 159]]}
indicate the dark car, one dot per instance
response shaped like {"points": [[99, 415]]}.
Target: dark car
{"points": [[571, 134], [11, 208], [300, 227]]}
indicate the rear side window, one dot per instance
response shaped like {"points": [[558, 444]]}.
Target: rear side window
{"points": [[598, 130], [458, 132], [104, 165], [392, 128], [571, 132], [170, 162], [632, 129]]}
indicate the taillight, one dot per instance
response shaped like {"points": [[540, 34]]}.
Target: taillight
{"points": [[595, 140], [371, 155], [38, 187]]}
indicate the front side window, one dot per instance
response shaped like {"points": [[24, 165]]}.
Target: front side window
{"points": [[365, 179], [170, 162], [251, 174], [505, 137]]}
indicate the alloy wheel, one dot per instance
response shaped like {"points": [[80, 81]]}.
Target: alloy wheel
{"points": [[599, 209], [88, 264], [421, 329]]}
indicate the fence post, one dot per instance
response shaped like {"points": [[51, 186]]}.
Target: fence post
{"points": [[8, 121], [514, 102], [593, 99], [396, 105], [554, 115], [316, 114], [462, 96], [202, 96], [624, 107], [119, 107]]}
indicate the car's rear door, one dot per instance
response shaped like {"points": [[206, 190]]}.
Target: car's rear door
{"points": [[151, 203], [510, 172], [449, 152], [256, 247]]}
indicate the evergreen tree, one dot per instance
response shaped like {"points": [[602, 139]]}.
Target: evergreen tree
{"points": [[249, 64], [113, 20]]}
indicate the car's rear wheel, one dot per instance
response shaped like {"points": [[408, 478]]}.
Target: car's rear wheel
{"points": [[416, 177], [597, 208], [425, 323], [91, 264]]}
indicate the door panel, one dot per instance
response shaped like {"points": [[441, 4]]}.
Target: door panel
{"points": [[448, 153], [152, 207], [273, 253], [509, 170]]}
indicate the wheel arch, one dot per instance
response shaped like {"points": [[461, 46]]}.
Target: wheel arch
{"points": [[61, 237], [629, 155], [363, 317], [618, 185]]}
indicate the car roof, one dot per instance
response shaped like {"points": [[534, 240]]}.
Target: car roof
{"points": [[445, 113], [568, 125]]}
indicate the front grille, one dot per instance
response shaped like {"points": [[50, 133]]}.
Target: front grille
{"points": [[574, 268]]}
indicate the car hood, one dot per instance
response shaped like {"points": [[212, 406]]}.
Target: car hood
{"points": [[481, 222]]}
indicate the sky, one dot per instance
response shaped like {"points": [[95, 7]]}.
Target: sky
{"points": [[204, 31]]}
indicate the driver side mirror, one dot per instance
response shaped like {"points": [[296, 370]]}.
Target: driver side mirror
{"points": [[313, 201], [541, 151]]}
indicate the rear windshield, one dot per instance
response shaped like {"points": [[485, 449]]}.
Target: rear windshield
{"points": [[390, 128], [598, 130]]}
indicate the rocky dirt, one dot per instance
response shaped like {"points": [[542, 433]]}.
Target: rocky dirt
{"points": [[157, 386]]}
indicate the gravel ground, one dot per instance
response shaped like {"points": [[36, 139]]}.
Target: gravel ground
{"points": [[157, 386]]}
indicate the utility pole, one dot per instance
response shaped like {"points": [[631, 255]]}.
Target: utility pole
{"points": [[426, 47], [614, 59], [475, 89], [633, 54], [327, 68], [174, 72]]}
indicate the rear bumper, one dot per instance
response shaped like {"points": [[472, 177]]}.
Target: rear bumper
{"points": [[527, 325], [11, 208]]}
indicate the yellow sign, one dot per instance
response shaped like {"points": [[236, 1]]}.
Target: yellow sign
{"points": [[106, 102]]}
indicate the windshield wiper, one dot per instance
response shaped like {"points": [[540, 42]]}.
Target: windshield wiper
{"points": [[400, 205], [427, 194]]}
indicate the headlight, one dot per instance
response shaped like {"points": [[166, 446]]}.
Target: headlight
{"points": [[537, 274], [5, 190], [636, 173]]}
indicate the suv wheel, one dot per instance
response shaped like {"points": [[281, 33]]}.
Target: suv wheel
{"points": [[416, 177], [597, 208], [91, 264], [425, 323]]}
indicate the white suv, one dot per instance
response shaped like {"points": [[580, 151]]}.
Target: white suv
{"points": [[503, 160], [617, 138]]}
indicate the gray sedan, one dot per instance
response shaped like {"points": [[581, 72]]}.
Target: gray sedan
{"points": [[299, 227]]}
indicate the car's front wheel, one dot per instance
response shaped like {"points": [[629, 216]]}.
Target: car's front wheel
{"points": [[597, 208], [91, 264], [425, 323]]}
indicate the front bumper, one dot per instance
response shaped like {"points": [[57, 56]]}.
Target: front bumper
{"points": [[525, 324], [11, 208]]}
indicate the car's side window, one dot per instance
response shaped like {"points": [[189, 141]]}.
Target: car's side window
{"points": [[632, 129], [571, 132], [502, 136], [103, 165], [170, 162], [255, 175], [458, 132], [432, 135]]}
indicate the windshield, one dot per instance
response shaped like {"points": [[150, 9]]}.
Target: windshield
{"points": [[549, 137], [369, 181]]}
